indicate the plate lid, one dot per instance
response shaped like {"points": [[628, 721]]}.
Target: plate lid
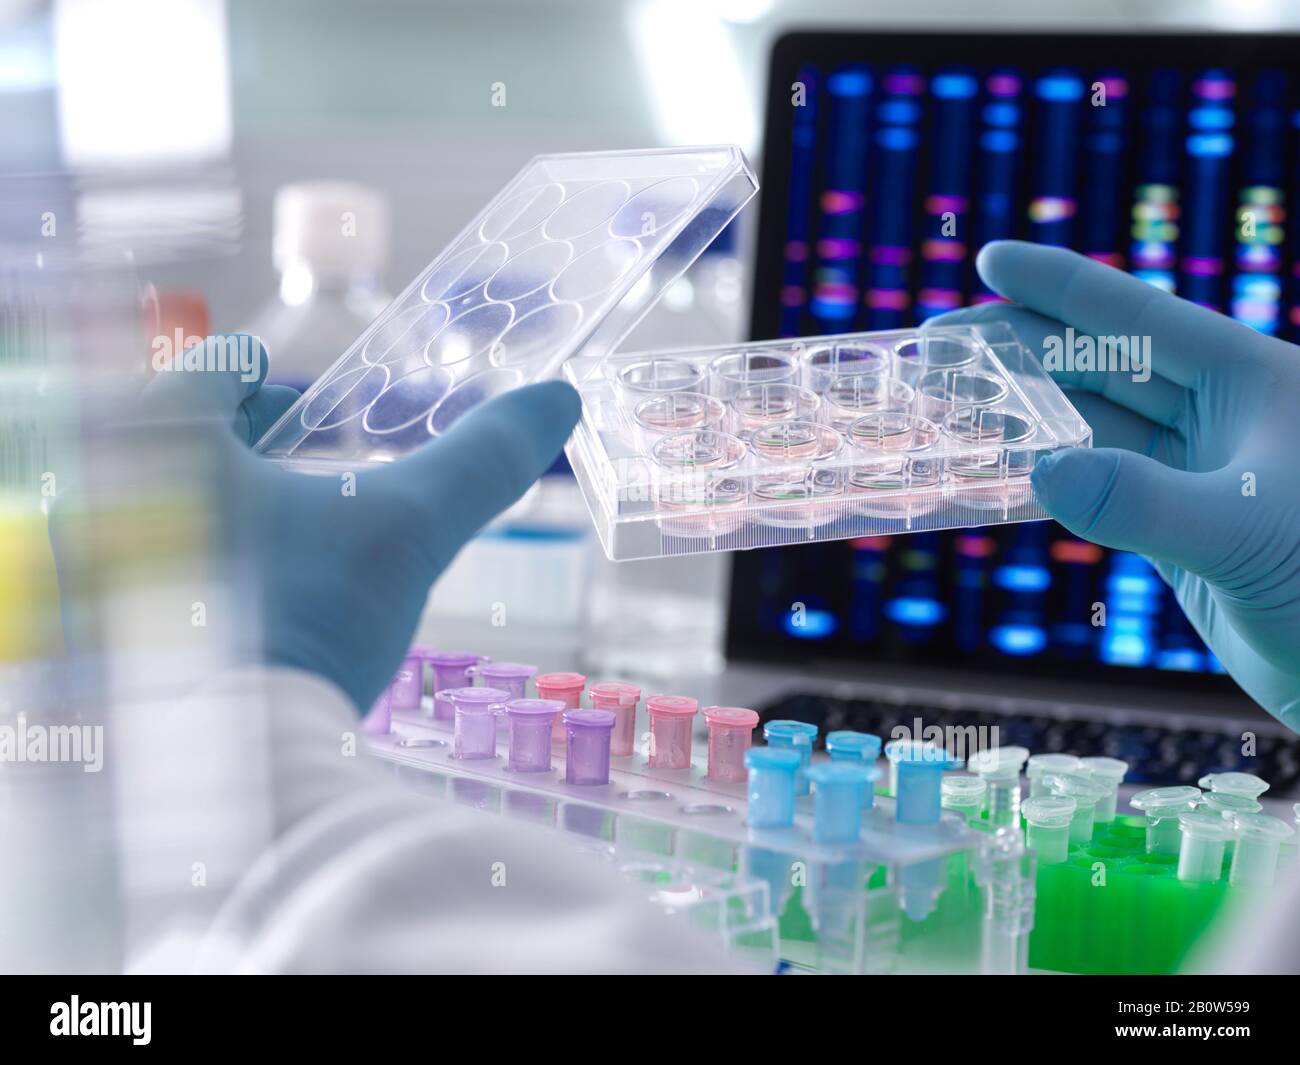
{"points": [[566, 258]]}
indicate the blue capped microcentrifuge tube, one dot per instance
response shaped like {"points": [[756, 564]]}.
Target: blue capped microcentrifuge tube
{"points": [[793, 735], [860, 747], [837, 800], [771, 785], [772, 868], [919, 887], [835, 898], [920, 768]]}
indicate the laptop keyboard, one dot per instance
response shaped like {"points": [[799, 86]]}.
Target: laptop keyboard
{"points": [[1156, 755]]}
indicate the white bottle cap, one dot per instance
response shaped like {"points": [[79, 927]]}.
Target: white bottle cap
{"points": [[336, 229]]}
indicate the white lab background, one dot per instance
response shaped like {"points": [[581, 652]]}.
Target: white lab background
{"points": [[183, 117]]}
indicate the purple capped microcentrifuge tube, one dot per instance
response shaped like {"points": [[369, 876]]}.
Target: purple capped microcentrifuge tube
{"points": [[379, 720], [529, 742], [508, 676], [407, 685], [587, 735], [451, 669], [475, 712]]}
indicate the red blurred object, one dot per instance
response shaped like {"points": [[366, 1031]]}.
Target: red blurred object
{"points": [[174, 319]]}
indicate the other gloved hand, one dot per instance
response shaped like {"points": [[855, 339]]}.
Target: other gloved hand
{"points": [[343, 575], [1197, 468]]}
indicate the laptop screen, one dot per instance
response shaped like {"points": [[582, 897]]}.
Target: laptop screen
{"points": [[889, 160]]}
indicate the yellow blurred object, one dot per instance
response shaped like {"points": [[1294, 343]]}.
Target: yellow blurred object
{"points": [[29, 589]]}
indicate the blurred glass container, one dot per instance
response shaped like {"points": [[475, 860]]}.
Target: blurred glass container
{"points": [[331, 247], [519, 591], [706, 305], [660, 619]]}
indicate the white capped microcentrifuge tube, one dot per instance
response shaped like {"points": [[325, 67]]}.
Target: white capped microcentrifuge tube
{"points": [[1000, 770], [963, 795], [1259, 839], [1086, 793], [1040, 764], [1162, 807], [1205, 834], [1109, 772], [1047, 832]]}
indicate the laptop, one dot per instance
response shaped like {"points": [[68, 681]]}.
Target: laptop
{"points": [[889, 160]]}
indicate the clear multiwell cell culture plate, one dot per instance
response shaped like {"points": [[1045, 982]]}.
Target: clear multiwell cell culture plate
{"points": [[566, 258], [823, 438]]}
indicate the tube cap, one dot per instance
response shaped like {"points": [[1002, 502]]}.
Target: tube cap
{"points": [[773, 758], [1262, 827], [998, 761], [1049, 811], [841, 775], [671, 705], [589, 719], [474, 697], [916, 753], [1039, 764], [507, 670], [615, 692], [1165, 800], [1226, 804], [534, 707], [560, 682], [1246, 784], [1203, 824], [730, 717], [447, 658], [790, 733], [1109, 770], [846, 744], [1082, 788], [963, 790]]}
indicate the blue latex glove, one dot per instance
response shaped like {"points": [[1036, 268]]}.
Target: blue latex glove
{"points": [[344, 577], [1197, 468]]}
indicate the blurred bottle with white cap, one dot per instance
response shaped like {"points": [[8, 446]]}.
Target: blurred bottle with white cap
{"points": [[330, 247]]}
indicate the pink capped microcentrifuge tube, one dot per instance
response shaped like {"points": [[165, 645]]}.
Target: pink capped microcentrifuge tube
{"points": [[530, 722], [731, 729], [567, 687], [621, 700], [587, 735], [671, 717], [451, 669]]}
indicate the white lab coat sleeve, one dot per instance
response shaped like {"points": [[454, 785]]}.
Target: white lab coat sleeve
{"points": [[365, 875], [1255, 933]]}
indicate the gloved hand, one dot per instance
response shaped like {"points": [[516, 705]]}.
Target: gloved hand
{"points": [[343, 575], [1197, 468]]}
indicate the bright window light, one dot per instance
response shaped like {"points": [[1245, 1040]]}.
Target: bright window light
{"points": [[141, 81], [693, 73]]}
